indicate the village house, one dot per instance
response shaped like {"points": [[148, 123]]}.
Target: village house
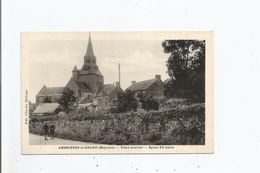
{"points": [[48, 109], [107, 96], [152, 87], [49, 95]]}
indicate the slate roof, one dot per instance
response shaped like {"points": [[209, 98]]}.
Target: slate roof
{"points": [[79, 85], [46, 108], [107, 89], [51, 91], [142, 85], [82, 86], [75, 68]]}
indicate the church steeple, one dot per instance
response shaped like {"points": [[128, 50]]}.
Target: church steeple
{"points": [[90, 64], [89, 75], [90, 51], [89, 57]]}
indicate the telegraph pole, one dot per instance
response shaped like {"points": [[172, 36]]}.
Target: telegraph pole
{"points": [[119, 80]]}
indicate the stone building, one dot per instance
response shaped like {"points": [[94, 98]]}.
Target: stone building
{"points": [[152, 87], [87, 83], [88, 79], [49, 95], [107, 95]]}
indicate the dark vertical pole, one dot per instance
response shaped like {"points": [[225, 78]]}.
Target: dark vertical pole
{"points": [[119, 74]]}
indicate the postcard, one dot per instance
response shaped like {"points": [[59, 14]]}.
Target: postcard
{"points": [[117, 92]]}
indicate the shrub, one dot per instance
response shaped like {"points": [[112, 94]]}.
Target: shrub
{"points": [[113, 110], [127, 102], [148, 103], [176, 126]]}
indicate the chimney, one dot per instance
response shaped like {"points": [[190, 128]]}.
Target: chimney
{"points": [[133, 82], [117, 84], [158, 77]]}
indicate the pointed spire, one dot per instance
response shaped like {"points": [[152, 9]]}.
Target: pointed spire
{"points": [[90, 51], [75, 68]]}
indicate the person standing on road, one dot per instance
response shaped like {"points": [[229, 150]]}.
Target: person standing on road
{"points": [[52, 130], [45, 129]]}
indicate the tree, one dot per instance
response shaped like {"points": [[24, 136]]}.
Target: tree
{"points": [[127, 102], [67, 99], [32, 107], [148, 103], [186, 69]]}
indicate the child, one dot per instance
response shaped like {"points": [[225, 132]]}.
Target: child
{"points": [[45, 129], [52, 130]]}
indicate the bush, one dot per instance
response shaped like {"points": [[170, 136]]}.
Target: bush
{"points": [[148, 103], [113, 110], [176, 126], [127, 102]]}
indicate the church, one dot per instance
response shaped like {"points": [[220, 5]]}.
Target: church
{"points": [[87, 83]]}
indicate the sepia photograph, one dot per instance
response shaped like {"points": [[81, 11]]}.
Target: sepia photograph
{"points": [[142, 86], [117, 92]]}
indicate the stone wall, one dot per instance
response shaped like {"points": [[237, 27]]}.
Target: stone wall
{"points": [[169, 127]]}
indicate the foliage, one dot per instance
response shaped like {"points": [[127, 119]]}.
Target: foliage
{"points": [[127, 102], [174, 103], [186, 69], [169, 127], [32, 107], [113, 110], [148, 103], [67, 99]]}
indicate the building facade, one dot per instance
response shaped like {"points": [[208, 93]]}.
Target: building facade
{"points": [[49, 95], [87, 84], [149, 88]]}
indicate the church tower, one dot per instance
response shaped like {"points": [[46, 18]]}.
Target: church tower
{"points": [[89, 74], [90, 61]]}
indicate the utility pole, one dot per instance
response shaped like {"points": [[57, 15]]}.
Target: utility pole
{"points": [[119, 80]]}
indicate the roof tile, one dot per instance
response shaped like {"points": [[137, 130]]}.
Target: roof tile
{"points": [[142, 85]]}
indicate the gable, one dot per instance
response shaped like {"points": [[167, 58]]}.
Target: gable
{"points": [[50, 91], [156, 87]]}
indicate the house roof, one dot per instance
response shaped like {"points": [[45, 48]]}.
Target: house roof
{"points": [[107, 89], [142, 85], [46, 108], [82, 86], [79, 85], [75, 68], [51, 91]]}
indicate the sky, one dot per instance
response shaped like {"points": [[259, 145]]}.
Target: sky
{"points": [[51, 60]]}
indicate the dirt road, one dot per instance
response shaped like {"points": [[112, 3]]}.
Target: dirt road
{"points": [[39, 140]]}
